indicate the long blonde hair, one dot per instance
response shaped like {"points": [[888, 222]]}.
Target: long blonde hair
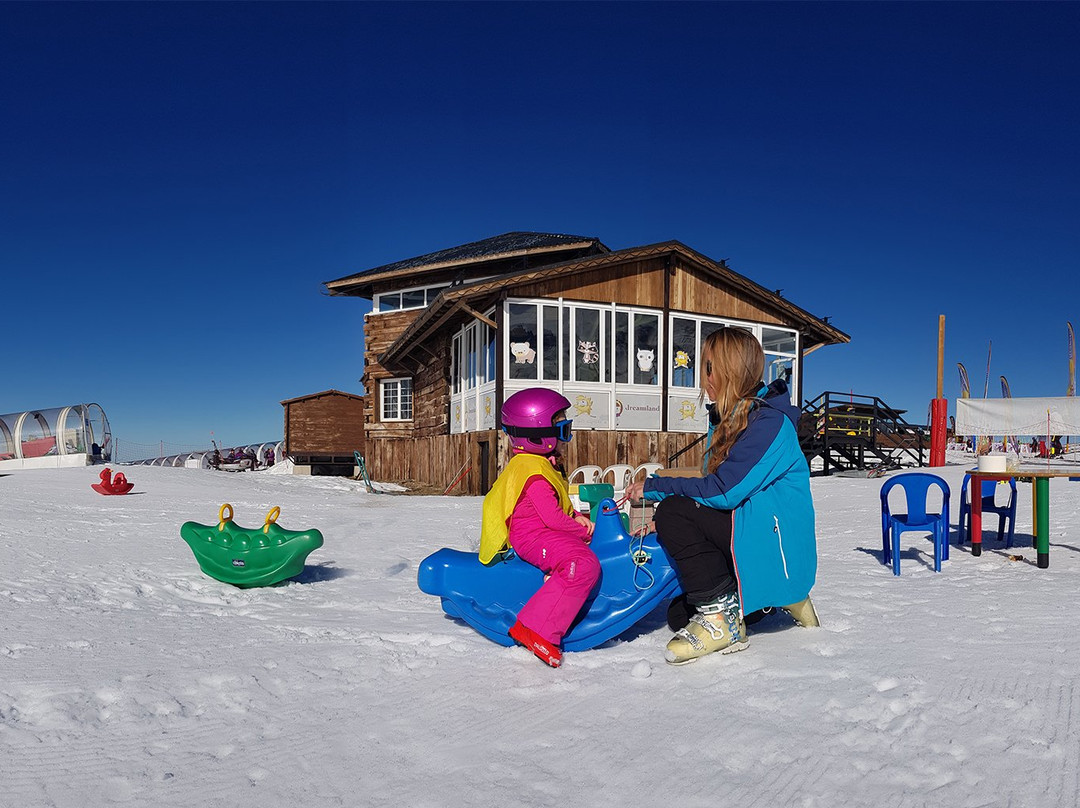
{"points": [[733, 361]]}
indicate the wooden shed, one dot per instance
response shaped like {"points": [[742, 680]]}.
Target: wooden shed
{"points": [[451, 334], [323, 430]]}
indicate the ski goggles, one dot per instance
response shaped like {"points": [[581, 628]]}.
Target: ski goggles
{"points": [[560, 430]]}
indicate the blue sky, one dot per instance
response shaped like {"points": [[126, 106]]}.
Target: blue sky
{"points": [[177, 180]]}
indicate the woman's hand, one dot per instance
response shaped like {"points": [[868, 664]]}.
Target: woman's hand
{"points": [[635, 491], [644, 529]]}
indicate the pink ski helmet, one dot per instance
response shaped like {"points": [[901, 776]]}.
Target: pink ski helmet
{"points": [[527, 417]]}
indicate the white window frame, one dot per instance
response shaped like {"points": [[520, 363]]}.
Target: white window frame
{"points": [[430, 293], [384, 385]]}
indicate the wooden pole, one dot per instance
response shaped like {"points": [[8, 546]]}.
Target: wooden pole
{"points": [[939, 407]]}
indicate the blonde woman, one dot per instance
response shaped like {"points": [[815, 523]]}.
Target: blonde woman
{"points": [[744, 530]]}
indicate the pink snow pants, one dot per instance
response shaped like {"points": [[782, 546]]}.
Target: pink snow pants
{"points": [[543, 535]]}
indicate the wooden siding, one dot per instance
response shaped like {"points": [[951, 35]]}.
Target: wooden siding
{"points": [[633, 283], [429, 373], [436, 460], [329, 424], [695, 292]]}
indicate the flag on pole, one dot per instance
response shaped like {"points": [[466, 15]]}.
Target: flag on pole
{"points": [[965, 383], [1011, 441]]}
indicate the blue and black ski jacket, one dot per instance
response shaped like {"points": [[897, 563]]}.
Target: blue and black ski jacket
{"points": [[766, 481]]}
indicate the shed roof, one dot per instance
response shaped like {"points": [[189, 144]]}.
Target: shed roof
{"points": [[507, 245], [479, 294], [330, 392]]}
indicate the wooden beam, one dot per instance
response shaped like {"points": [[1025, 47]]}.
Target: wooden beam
{"points": [[478, 315]]}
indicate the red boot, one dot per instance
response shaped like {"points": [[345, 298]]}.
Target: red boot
{"points": [[544, 650]]}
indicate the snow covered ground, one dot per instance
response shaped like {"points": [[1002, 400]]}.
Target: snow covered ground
{"points": [[127, 676]]}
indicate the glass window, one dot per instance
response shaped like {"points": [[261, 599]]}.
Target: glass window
{"points": [[522, 356], [777, 341], [390, 302], [566, 366], [683, 352], [622, 347], [646, 332], [37, 437], [455, 364], [778, 367], [396, 397], [433, 292], [551, 343], [471, 357], [489, 334], [586, 345], [608, 361], [413, 299]]}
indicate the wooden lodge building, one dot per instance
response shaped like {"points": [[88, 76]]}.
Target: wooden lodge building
{"points": [[453, 333]]}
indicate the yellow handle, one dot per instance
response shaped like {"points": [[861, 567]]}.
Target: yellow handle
{"points": [[224, 517], [271, 518]]}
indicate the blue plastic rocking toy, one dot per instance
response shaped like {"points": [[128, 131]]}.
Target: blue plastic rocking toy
{"points": [[636, 577]]}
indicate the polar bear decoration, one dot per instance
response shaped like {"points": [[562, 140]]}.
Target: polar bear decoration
{"points": [[522, 352]]}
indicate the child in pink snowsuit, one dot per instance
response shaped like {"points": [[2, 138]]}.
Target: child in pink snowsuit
{"points": [[542, 527]]}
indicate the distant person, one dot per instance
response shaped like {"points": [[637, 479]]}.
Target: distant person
{"points": [[215, 459], [269, 457], [1055, 446]]}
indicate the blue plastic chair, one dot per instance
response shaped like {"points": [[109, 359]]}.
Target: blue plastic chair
{"points": [[1006, 513], [916, 488]]}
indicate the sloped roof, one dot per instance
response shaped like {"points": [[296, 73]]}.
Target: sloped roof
{"points": [[458, 298], [507, 245], [330, 392]]}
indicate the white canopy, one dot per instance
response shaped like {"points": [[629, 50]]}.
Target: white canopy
{"points": [[1018, 416]]}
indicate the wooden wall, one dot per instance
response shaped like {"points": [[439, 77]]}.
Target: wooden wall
{"points": [[431, 385], [694, 291], [327, 424], [435, 461]]}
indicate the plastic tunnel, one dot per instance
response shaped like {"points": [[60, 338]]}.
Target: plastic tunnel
{"points": [[77, 435]]}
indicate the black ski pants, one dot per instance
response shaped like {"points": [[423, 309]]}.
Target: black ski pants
{"points": [[697, 539]]}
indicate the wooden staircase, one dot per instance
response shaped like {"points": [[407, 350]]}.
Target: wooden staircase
{"points": [[844, 431]]}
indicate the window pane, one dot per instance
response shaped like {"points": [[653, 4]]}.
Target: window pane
{"points": [[778, 367], [490, 353], [646, 329], [413, 299], [406, 398], [608, 353], [471, 355], [587, 345], [455, 364], [683, 352], [566, 340], [390, 302], [622, 346], [773, 339], [389, 399], [551, 342], [433, 293], [522, 358]]}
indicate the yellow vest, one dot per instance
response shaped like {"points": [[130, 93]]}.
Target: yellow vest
{"points": [[504, 495]]}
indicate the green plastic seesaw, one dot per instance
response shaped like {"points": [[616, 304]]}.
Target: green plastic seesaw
{"points": [[248, 557]]}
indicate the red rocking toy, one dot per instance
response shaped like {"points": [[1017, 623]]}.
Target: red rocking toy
{"points": [[112, 485]]}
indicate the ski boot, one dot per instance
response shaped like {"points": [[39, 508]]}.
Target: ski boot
{"points": [[717, 626], [545, 651], [803, 613]]}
